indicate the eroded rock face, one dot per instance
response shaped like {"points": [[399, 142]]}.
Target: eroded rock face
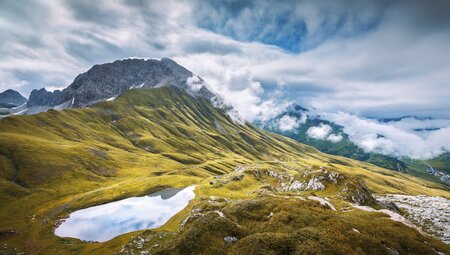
{"points": [[43, 97], [110, 80]]}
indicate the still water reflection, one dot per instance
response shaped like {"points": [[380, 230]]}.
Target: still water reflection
{"points": [[104, 222]]}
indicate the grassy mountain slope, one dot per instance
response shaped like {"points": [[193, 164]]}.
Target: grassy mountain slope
{"points": [[147, 139], [344, 147], [347, 148]]}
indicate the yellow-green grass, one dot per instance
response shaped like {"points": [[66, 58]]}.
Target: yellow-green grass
{"points": [[280, 225], [57, 162]]}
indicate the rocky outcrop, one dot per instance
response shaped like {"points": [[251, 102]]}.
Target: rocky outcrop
{"points": [[11, 98], [356, 192], [311, 180], [110, 80], [43, 97], [432, 214]]}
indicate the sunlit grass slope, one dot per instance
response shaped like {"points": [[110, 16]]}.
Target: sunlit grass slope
{"points": [[147, 139]]}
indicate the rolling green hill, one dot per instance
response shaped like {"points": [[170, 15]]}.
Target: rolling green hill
{"points": [[268, 187]]}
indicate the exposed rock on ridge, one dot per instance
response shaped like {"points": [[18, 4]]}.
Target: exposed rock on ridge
{"points": [[110, 80]]}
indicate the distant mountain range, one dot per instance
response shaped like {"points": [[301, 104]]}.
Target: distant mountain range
{"points": [[107, 81], [337, 142]]}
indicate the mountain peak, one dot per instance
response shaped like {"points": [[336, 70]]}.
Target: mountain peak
{"points": [[109, 80], [11, 98]]}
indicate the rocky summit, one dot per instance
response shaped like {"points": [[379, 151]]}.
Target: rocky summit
{"points": [[106, 81], [11, 98]]}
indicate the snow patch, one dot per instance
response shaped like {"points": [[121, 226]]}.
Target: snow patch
{"points": [[138, 86]]}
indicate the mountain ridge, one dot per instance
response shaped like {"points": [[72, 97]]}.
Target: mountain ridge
{"points": [[105, 81]]}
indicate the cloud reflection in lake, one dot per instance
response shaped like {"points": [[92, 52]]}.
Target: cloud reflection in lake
{"points": [[104, 222]]}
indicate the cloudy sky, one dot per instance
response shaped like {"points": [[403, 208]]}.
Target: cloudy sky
{"points": [[369, 58]]}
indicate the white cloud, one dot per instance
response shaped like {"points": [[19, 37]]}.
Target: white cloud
{"points": [[335, 138], [237, 87], [287, 123], [8, 81], [360, 73], [394, 68], [414, 124], [53, 88], [323, 132], [396, 138], [194, 82], [320, 132]]}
